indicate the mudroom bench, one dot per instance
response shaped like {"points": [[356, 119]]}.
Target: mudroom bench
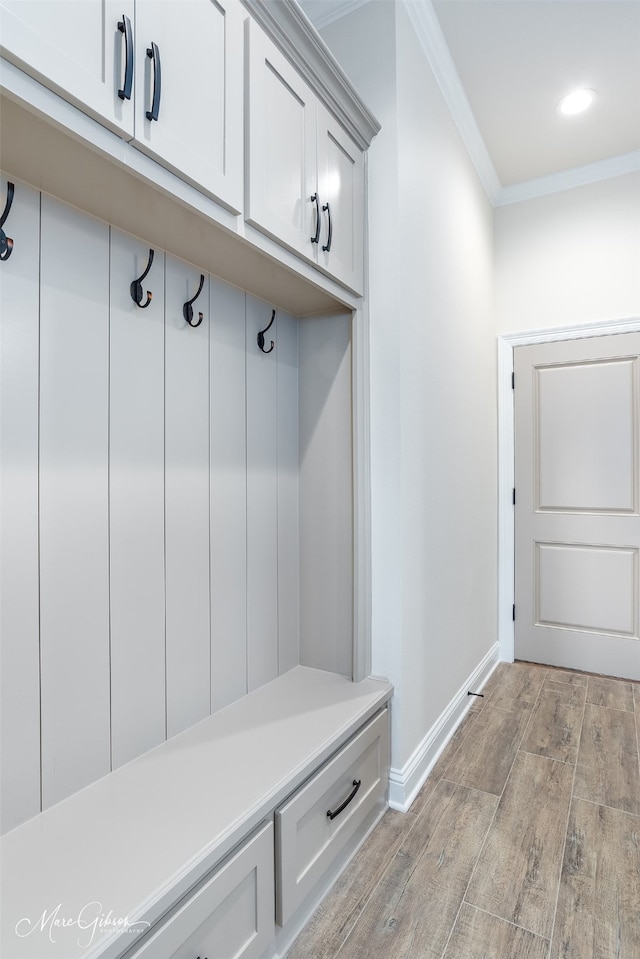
{"points": [[218, 843]]}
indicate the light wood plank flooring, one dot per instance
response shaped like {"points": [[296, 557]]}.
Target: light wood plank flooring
{"points": [[524, 843]]}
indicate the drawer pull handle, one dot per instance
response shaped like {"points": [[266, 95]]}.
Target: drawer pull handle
{"points": [[314, 199], [336, 812], [327, 210], [154, 55], [124, 26]]}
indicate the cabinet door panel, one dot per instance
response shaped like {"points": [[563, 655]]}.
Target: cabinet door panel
{"points": [[282, 158], [262, 502], [186, 500], [341, 186], [74, 547], [19, 614], [199, 130], [228, 496], [136, 500], [74, 48]]}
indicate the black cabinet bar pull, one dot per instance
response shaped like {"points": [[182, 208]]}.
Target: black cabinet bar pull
{"points": [[154, 54], [6, 243], [124, 26], [336, 812], [314, 199], [327, 210]]}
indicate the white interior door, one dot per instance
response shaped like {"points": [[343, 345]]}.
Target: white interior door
{"points": [[577, 504]]}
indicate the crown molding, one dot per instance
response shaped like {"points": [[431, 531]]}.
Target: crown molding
{"points": [[568, 179], [337, 13], [429, 33], [289, 27]]}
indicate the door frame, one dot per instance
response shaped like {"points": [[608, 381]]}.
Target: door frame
{"points": [[506, 457]]}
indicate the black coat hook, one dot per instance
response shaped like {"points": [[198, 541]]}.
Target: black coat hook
{"points": [[6, 243], [262, 332], [136, 287], [187, 309]]}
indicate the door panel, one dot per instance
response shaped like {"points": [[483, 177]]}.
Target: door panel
{"points": [[198, 133], [578, 494], [282, 147], [75, 48], [341, 189]]}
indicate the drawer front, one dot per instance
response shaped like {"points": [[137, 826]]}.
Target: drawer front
{"points": [[230, 916], [308, 840]]}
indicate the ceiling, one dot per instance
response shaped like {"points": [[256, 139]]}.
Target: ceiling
{"points": [[509, 62]]}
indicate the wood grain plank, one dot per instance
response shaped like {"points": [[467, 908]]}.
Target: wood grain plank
{"points": [[338, 913], [477, 935], [565, 676], [521, 681], [636, 701], [610, 692], [597, 913], [517, 874], [608, 770], [554, 730], [414, 906], [483, 761]]}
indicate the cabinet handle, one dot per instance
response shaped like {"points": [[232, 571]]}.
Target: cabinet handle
{"points": [[6, 243], [154, 54], [326, 208], [314, 199], [124, 26], [336, 812]]}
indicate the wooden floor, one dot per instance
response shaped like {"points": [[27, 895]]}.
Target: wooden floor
{"points": [[524, 842]]}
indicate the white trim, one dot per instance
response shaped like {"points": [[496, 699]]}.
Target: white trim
{"points": [[568, 179], [337, 13], [429, 32], [405, 783], [506, 453]]}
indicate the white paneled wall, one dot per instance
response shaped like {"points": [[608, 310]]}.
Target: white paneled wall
{"points": [[19, 608], [74, 499], [150, 504], [136, 502]]}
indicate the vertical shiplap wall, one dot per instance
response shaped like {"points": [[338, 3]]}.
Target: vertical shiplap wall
{"points": [[74, 502], [150, 555], [136, 502], [19, 602]]}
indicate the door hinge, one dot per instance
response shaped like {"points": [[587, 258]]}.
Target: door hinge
{"points": [[513, 380], [514, 612], [514, 496]]}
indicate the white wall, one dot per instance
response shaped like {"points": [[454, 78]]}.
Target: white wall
{"points": [[569, 258], [433, 412]]}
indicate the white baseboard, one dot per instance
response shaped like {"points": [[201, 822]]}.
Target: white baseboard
{"points": [[405, 783]]}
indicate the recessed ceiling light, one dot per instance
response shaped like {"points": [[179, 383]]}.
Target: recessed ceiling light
{"points": [[576, 102]]}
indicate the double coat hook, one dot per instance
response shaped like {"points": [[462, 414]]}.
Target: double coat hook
{"points": [[136, 287], [187, 309], [262, 332], [6, 243]]}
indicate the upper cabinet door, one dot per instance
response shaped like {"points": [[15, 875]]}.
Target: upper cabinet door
{"points": [[189, 82], [281, 149], [341, 190], [77, 49]]}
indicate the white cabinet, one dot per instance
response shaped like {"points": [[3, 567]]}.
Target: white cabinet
{"points": [[77, 49], [189, 65], [167, 76], [320, 819], [305, 175], [228, 916]]}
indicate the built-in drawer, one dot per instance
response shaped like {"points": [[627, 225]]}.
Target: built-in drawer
{"points": [[317, 822], [228, 916]]}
